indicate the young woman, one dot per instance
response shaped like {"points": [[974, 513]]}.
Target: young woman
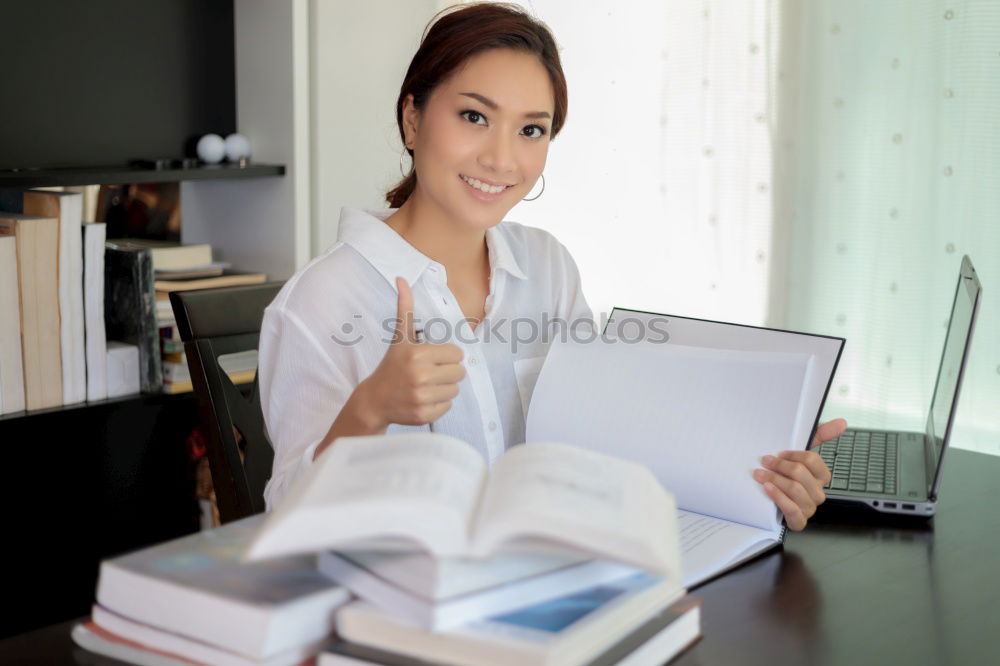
{"points": [[341, 351]]}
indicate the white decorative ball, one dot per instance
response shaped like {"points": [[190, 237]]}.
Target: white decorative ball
{"points": [[211, 148], [237, 147]]}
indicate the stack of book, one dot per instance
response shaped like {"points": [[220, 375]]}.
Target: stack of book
{"points": [[555, 555], [51, 303], [86, 314], [558, 556], [154, 269], [193, 600]]}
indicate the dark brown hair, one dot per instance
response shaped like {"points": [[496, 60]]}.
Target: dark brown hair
{"points": [[456, 34]]}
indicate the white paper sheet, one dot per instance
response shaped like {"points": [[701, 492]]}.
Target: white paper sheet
{"points": [[724, 335], [700, 419]]}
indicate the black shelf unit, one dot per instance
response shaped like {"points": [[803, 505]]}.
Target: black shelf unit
{"points": [[119, 401], [114, 175], [86, 482], [122, 80]]}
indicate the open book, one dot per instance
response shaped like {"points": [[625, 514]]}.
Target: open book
{"points": [[433, 492], [699, 403]]}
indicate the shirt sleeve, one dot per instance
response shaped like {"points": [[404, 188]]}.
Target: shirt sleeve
{"points": [[301, 393]]}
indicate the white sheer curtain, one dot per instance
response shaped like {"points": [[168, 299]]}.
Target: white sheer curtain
{"points": [[660, 183], [818, 165], [893, 157]]}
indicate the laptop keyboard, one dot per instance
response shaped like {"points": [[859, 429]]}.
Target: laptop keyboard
{"points": [[861, 460]]}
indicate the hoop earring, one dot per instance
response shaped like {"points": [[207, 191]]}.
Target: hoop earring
{"points": [[540, 193], [402, 155]]}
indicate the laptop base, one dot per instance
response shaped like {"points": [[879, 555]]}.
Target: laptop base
{"points": [[908, 468]]}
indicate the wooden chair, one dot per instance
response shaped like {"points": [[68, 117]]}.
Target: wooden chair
{"points": [[214, 322]]}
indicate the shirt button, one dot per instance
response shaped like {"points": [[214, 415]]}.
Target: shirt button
{"points": [[473, 361], [493, 425]]}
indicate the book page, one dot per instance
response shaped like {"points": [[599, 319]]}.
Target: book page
{"points": [[710, 546], [700, 419], [399, 492], [554, 495], [824, 351]]}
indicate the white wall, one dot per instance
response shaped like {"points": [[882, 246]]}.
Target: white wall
{"points": [[262, 224], [360, 50]]}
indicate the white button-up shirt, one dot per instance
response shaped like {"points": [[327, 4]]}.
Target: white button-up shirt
{"points": [[331, 324]]}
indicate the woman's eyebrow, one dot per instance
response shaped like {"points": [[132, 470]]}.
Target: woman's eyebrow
{"points": [[493, 105]]}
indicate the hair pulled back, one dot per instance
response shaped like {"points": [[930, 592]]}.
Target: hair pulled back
{"points": [[456, 34]]}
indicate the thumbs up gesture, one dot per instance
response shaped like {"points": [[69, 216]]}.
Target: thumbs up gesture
{"points": [[416, 381]]}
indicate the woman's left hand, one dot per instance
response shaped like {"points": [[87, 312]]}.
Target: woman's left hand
{"points": [[794, 480]]}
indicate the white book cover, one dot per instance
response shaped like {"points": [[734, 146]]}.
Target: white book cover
{"points": [[93, 291], [11, 366], [433, 493]]}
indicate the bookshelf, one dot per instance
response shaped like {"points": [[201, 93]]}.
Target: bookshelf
{"points": [[113, 175], [91, 480]]}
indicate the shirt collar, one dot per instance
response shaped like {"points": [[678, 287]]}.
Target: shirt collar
{"points": [[366, 231], [501, 256]]}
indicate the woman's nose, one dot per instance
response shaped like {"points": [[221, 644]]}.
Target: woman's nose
{"points": [[498, 154]]}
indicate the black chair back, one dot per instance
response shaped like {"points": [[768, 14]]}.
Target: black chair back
{"points": [[214, 322]]}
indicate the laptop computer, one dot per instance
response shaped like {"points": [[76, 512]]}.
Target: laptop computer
{"points": [[900, 472]]}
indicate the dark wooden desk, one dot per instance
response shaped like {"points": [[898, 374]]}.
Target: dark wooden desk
{"points": [[845, 591]]}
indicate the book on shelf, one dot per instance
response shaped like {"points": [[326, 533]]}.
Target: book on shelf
{"points": [[441, 593], [11, 364], [213, 269], [130, 308], [170, 255], [93, 308], [37, 241], [431, 492], [227, 279], [122, 369], [67, 208], [638, 619], [170, 339], [240, 367], [198, 588], [700, 408]]}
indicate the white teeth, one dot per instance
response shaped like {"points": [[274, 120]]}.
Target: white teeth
{"points": [[479, 185]]}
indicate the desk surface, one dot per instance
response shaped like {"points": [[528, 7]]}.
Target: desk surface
{"points": [[847, 590]]}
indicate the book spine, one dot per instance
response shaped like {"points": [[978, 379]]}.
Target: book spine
{"points": [[11, 368], [93, 286]]}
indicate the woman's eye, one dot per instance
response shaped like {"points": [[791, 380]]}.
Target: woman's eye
{"points": [[538, 131], [474, 117]]}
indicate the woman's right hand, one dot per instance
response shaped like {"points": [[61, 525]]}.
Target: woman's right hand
{"points": [[416, 381]]}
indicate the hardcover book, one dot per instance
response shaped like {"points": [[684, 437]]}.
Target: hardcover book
{"points": [[431, 492], [638, 620], [699, 402], [198, 587], [67, 207], [37, 240], [130, 308]]}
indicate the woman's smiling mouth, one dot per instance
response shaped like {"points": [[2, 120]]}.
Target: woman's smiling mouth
{"points": [[483, 187]]}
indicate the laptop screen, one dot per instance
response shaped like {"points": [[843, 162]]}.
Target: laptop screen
{"points": [[950, 372]]}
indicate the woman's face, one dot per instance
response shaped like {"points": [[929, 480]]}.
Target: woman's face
{"points": [[485, 127]]}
